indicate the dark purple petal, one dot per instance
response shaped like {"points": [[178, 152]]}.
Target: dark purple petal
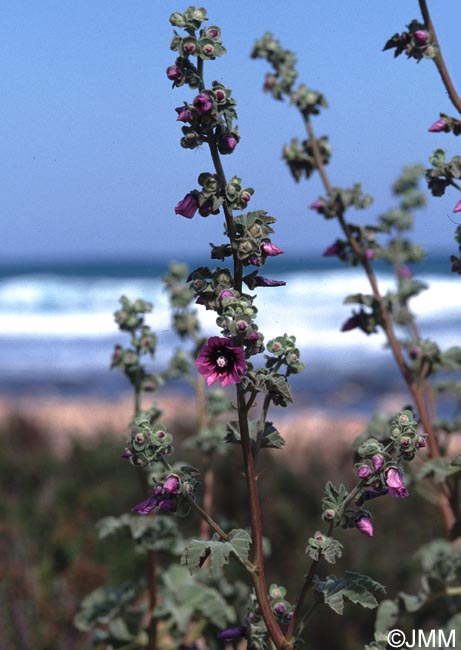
{"points": [[145, 507], [259, 281], [331, 251], [203, 103], [350, 324], [270, 249], [231, 633], [188, 206]]}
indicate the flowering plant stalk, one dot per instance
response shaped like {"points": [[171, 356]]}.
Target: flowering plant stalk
{"points": [[238, 359]]}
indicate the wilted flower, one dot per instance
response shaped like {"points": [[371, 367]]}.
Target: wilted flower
{"points": [[188, 206], [395, 483], [219, 359], [365, 526], [259, 281]]}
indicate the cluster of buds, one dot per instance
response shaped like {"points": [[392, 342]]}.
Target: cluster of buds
{"points": [[237, 198], [236, 318], [209, 199], [210, 115], [417, 42], [143, 340], [446, 124], [282, 609], [339, 200], [367, 321], [252, 241], [129, 317], [300, 156], [285, 353], [205, 45], [149, 441], [405, 437], [366, 239], [309, 102], [442, 174], [280, 82]]}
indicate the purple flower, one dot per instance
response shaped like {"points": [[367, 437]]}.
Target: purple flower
{"points": [[127, 453], [395, 483], [227, 143], [317, 205], [421, 35], [350, 324], [280, 608], [188, 206], [171, 485], [365, 526], [173, 72], [203, 103], [404, 272], [332, 250], [270, 249], [259, 281], [377, 462], [438, 126], [231, 633], [146, 507], [364, 471], [219, 359], [455, 266], [457, 207], [369, 254], [165, 505], [184, 114], [374, 494]]}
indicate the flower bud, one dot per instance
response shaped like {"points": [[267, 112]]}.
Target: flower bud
{"points": [[329, 514], [365, 526], [174, 72], [420, 442], [421, 36], [405, 441], [177, 19], [270, 249], [317, 205], [231, 633], [395, 483], [350, 324], [184, 114], [457, 207], [332, 250], [227, 143], [369, 254], [404, 272], [280, 608], [171, 484], [377, 462], [363, 472], [438, 126]]}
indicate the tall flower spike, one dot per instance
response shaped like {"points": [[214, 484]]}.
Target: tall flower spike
{"points": [[220, 360]]}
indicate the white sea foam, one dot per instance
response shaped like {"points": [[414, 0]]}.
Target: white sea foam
{"points": [[71, 319]]}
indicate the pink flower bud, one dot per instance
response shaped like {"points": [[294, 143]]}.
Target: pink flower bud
{"points": [[457, 207], [184, 114], [350, 324], [377, 462], [317, 205], [171, 484], [438, 126], [395, 483], [365, 526], [421, 36], [332, 250], [270, 249], [363, 471], [404, 272], [173, 72]]}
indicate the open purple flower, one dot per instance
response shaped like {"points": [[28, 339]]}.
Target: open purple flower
{"points": [[395, 483], [188, 206], [220, 359], [146, 507], [203, 103], [365, 526]]}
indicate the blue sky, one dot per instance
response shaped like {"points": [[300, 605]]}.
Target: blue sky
{"points": [[91, 163]]}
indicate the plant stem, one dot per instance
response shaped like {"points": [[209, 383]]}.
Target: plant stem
{"points": [[439, 60], [449, 516]]}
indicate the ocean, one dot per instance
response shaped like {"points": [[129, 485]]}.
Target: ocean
{"points": [[57, 329]]}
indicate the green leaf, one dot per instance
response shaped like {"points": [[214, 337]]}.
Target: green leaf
{"points": [[451, 359], [439, 469], [102, 605], [334, 497], [197, 551], [355, 587], [386, 616], [359, 299], [150, 533], [320, 544], [182, 596], [438, 158]]}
